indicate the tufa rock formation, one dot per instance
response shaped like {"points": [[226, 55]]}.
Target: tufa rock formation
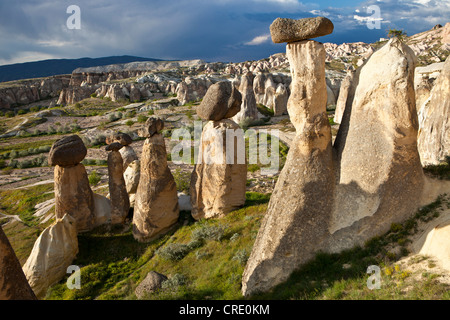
{"points": [[156, 205], [52, 253], [343, 96], [218, 182], [319, 204], [379, 175], [120, 203], [131, 164], [73, 194], [13, 283], [434, 133], [296, 222], [248, 107]]}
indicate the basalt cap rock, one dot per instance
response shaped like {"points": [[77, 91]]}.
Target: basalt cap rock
{"points": [[67, 151], [290, 30], [115, 146], [221, 101], [123, 138], [152, 126]]}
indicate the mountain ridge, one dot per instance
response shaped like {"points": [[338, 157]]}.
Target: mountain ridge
{"points": [[51, 67]]}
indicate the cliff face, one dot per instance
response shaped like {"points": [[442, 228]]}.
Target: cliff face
{"points": [[16, 93]]}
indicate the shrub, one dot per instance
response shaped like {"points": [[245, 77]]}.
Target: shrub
{"points": [[141, 118], [182, 180], [241, 256], [264, 110], [151, 112], [174, 251], [21, 111], [209, 232], [94, 178], [10, 114], [174, 282], [35, 109], [94, 95], [129, 123]]}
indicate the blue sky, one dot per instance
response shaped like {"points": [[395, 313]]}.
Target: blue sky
{"points": [[213, 30]]}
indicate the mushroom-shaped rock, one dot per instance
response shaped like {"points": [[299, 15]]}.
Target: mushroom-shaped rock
{"points": [[221, 101], [123, 138], [115, 146], [120, 203], [290, 30], [67, 151]]}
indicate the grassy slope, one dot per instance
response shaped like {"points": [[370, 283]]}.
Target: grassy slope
{"points": [[113, 264]]}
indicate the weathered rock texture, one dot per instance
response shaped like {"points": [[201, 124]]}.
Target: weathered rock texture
{"points": [[156, 203], [131, 164], [248, 106], [13, 283], [73, 195], [52, 253], [280, 100], [151, 283], [296, 223], [380, 178], [120, 203], [434, 133], [343, 96], [217, 185], [290, 30]]}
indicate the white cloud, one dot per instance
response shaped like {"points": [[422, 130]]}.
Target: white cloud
{"points": [[258, 40], [319, 13], [27, 56]]}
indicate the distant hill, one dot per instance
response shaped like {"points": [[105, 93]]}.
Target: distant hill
{"points": [[45, 68]]}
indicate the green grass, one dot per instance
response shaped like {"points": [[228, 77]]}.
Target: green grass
{"points": [[113, 264], [21, 202]]}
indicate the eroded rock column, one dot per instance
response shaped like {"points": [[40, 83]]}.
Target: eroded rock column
{"points": [[131, 164], [120, 203], [73, 195], [379, 175], [156, 206], [217, 183], [13, 283], [296, 223]]}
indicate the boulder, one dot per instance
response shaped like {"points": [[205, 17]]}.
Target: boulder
{"points": [[434, 132], [128, 155], [218, 183], [152, 126], [13, 283], [290, 30], [156, 202], [221, 101], [296, 222], [120, 137], [67, 151], [151, 283], [52, 253]]}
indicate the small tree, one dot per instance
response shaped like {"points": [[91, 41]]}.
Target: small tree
{"points": [[394, 33]]}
